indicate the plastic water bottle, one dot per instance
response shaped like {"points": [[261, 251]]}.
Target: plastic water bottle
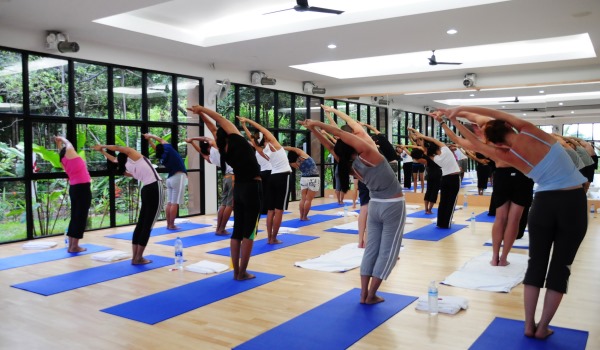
{"points": [[179, 253], [66, 239], [465, 204], [473, 221], [345, 210], [432, 294], [593, 209]]}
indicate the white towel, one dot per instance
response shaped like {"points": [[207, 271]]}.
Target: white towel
{"points": [[347, 257], [36, 245], [284, 229], [350, 213], [412, 206], [478, 274], [434, 220], [182, 221], [111, 255], [354, 225], [206, 267], [446, 304]]}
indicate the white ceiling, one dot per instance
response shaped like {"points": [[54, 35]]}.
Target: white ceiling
{"points": [[193, 28]]}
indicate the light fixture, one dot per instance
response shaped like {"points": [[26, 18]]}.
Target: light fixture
{"points": [[451, 31], [261, 78], [60, 41], [332, 46], [310, 88]]}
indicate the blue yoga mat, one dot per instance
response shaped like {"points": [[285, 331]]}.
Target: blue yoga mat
{"points": [[505, 333], [337, 324], [314, 219], [483, 217], [432, 233], [199, 239], [328, 206], [159, 231], [73, 280], [516, 246], [338, 230], [262, 216], [49, 255], [261, 246], [161, 306], [421, 214]]}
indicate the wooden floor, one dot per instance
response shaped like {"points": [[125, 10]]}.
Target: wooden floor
{"points": [[72, 320]]}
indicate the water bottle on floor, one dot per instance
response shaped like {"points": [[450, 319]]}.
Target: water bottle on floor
{"points": [[432, 293], [179, 253], [473, 221], [345, 210], [465, 204], [593, 210], [66, 239]]}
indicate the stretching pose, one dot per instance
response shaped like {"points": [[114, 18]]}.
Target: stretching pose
{"points": [[237, 152], [279, 181], [387, 212], [434, 172], [176, 180], [558, 217], [133, 163], [450, 182], [310, 181], [80, 191], [511, 197]]}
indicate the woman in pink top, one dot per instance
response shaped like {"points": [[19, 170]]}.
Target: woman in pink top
{"points": [[80, 191]]}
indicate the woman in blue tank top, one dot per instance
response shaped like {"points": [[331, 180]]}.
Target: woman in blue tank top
{"points": [[558, 216]]}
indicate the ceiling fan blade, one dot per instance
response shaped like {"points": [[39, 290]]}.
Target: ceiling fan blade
{"points": [[324, 10], [268, 13], [448, 63]]}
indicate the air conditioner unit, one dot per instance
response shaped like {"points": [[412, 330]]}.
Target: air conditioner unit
{"points": [[310, 88], [384, 102]]}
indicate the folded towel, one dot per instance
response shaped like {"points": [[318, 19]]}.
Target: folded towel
{"points": [[182, 221], [287, 229], [434, 220], [354, 225], [111, 255], [350, 213], [446, 304], [206, 267], [345, 258], [412, 206], [34, 245]]}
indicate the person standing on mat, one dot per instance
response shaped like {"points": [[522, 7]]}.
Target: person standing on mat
{"points": [[176, 180], [434, 172], [238, 153], [387, 212], [80, 191], [450, 182], [310, 180], [132, 163], [279, 181], [558, 217]]}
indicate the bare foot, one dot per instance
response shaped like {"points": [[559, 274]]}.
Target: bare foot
{"points": [[275, 242], [77, 250], [361, 244], [222, 233], [173, 227], [494, 261], [142, 261], [543, 333], [354, 206], [246, 276], [503, 263], [375, 300], [303, 219]]}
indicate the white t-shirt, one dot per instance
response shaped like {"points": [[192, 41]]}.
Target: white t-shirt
{"points": [[279, 162], [142, 170], [447, 162], [264, 164], [459, 154], [406, 158], [215, 159]]}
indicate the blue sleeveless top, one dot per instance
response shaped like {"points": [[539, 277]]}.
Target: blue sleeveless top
{"points": [[380, 179], [555, 171]]}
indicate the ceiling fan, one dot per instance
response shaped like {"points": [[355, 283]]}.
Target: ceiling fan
{"points": [[516, 100], [434, 62], [302, 6]]}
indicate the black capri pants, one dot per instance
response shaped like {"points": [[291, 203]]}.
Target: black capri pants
{"points": [[557, 223], [81, 200], [279, 189], [407, 169], [247, 201], [152, 196], [449, 187]]}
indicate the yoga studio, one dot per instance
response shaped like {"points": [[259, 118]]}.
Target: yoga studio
{"points": [[292, 174]]}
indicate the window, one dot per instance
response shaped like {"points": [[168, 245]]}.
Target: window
{"points": [[48, 86]]}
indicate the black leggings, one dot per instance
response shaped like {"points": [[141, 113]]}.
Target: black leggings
{"points": [[264, 177], [81, 200], [152, 203], [557, 223], [449, 187], [247, 201], [407, 169]]}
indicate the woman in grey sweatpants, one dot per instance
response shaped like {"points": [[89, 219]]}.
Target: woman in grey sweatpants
{"points": [[387, 213]]}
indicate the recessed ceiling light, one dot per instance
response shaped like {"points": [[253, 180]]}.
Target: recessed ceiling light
{"points": [[472, 95], [560, 103], [452, 31], [524, 114], [332, 46], [572, 112], [542, 91]]}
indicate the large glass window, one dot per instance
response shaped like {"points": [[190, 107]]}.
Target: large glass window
{"points": [[13, 207], [91, 90], [247, 103], [188, 91], [127, 91], [266, 115], [48, 86], [11, 82], [159, 91], [45, 156], [11, 147], [89, 135]]}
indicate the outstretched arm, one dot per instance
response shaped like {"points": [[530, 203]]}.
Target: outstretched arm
{"points": [[70, 152], [321, 137], [298, 151], [270, 138], [357, 129], [130, 152], [228, 126], [427, 138], [149, 137], [371, 127]]}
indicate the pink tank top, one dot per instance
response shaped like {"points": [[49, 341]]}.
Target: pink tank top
{"points": [[76, 170]]}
